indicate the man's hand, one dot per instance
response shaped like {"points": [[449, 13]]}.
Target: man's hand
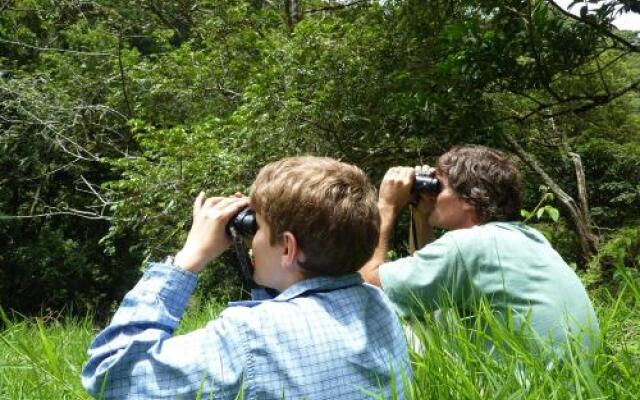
{"points": [[395, 189], [207, 238]]}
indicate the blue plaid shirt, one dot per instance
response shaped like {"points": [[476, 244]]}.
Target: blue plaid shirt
{"points": [[322, 338]]}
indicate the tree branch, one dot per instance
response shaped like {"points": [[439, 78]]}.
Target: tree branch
{"points": [[588, 241], [336, 6], [293, 12], [599, 28], [82, 53], [5, 4], [593, 102], [73, 212], [125, 91]]}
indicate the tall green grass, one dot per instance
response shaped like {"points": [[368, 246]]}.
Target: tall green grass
{"points": [[42, 358]]}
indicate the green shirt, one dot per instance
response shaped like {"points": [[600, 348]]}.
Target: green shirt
{"points": [[510, 264]]}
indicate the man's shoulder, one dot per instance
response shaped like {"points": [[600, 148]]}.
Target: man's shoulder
{"points": [[469, 243], [465, 237], [490, 231]]}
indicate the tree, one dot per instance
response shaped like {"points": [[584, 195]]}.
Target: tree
{"points": [[114, 114]]}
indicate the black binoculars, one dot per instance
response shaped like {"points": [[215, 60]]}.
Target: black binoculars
{"points": [[244, 223], [426, 183]]}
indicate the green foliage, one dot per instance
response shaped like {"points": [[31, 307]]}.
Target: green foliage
{"points": [[618, 261], [542, 209], [614, 187], [114, 115]]}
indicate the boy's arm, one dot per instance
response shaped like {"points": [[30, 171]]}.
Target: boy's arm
{"points": [[137, 354]]}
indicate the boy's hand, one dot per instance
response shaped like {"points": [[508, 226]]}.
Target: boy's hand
{"points": [[395, 189], [207, 238]]}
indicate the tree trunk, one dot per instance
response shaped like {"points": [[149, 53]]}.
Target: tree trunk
{"points": [[579, 215], [293, 10]]}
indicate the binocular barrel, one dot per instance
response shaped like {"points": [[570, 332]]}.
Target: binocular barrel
{"points": [[426, 183], [244, 223]]}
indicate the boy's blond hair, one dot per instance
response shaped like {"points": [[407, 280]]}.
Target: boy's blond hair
{"points": [[329, 206]]}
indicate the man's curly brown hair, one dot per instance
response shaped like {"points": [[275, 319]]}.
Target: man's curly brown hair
{"points": [[485, 178]]}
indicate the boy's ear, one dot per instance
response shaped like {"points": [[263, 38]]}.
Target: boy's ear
{"points": [[290, 249]]}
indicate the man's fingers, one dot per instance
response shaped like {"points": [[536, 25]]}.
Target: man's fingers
{"points": [[400, 173], [425, 169], [406, 174], [391, 172]]}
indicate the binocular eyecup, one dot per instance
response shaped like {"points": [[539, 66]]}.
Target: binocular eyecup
{"points": [[426, 183], [244, 223]]}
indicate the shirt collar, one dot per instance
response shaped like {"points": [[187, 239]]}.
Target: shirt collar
{"points": [[311, 285], [319, 284]]}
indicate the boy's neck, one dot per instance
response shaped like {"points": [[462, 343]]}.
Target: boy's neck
{"points": [[289, 279]]}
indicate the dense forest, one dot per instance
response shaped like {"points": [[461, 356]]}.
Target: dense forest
{"points": [[114, 114]]}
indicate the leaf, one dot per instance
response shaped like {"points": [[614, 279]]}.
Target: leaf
{"points": [[553, 213], [525, 60], [540, 213]]}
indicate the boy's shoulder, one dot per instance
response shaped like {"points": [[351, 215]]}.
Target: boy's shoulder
{"points": [[338, 314], [319, 295]]}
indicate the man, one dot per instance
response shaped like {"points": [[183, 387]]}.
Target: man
{"points": [[327, 335], [486, 253]]}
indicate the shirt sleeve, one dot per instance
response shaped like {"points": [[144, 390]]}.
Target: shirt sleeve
{"points": [[136, 356], [432, 278]]}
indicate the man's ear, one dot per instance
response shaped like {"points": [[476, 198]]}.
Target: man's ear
{"points": [[290, 249]]}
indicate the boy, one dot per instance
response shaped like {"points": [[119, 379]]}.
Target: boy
{"points": [[327, 335]]}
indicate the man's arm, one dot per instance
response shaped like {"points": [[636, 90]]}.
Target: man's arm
{"points": [[369, 271], [394, 193]]}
